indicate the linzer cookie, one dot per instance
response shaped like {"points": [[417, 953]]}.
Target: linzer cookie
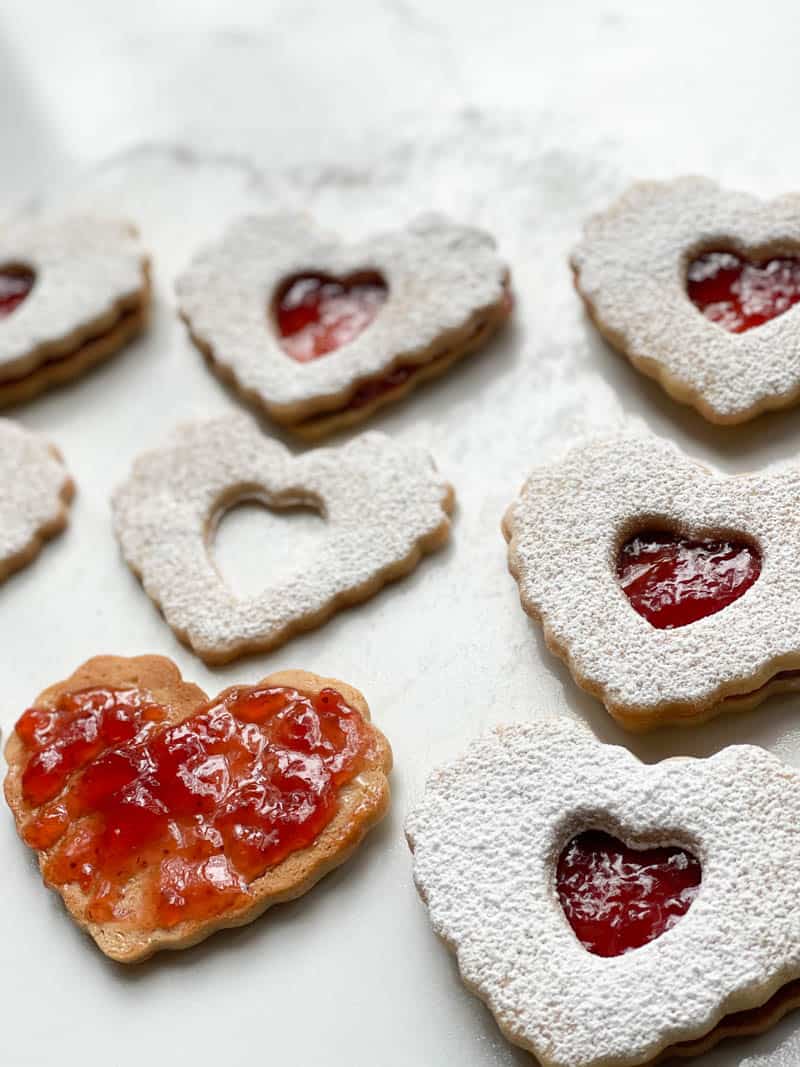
{"points": [[35, 491], [383, 503], [697, 286], [672, 592], [161, 816], [320, 334], [72, 292], [608, 912]]}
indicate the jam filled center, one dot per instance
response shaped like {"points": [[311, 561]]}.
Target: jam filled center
{"points": [[316, 313], [672, 580], [739, 294], [158, 823], [618, 898], [15, 284]]}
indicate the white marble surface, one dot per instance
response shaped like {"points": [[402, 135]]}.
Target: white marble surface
{"points": [[520, 118]]}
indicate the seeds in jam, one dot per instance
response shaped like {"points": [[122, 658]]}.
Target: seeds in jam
{"points": [[159, 823], [15, 284], [618, 898], [673, 581], [737, 294], [317, 314]]}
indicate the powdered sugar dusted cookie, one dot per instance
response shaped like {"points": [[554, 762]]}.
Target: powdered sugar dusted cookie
{"points": [[697, 286], [71, 293], [384, 506], [160, 816], [672, 592], [320, 334], [607, 911], [35, 490]]}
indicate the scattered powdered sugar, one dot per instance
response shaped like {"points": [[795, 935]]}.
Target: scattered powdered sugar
{"points": [[631, 269], [486, 838], [566, 528], [438, 275], [383, 503], [34, 486], [85, 268]]}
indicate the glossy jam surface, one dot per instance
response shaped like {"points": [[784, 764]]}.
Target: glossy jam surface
{"points": [[317, 314], [738, 294], [15, 284], [161, 822], [618, 898], [673, 581]]}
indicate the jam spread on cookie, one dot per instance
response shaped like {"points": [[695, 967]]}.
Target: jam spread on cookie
{"points": [[737, 294], [15, 284], [159, 822], [673, 580], [618, 898], [317, 314]]}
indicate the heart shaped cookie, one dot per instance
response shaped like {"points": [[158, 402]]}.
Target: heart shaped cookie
{"points": [[494, 840], [161, 817], [72, 292], [35, 490], [669, 590], [320, 334], [383, 503], [697, 286]]}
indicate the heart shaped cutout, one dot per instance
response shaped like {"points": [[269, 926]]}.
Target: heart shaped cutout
{"points": [[15, 285], [673, 581], [318, 313], [739, 294], [617, 898]]}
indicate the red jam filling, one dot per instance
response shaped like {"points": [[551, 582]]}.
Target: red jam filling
{"points": [[15, 284], [618, 898], [162, 823], [673, 581], [317, 314], [738, 294]]}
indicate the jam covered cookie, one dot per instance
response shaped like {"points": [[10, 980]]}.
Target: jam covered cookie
{"points": [[72, 292], [320, 334], [697, 286], [383, 503], [161, 816], [35, 491], [671, 592], [608, 912]]}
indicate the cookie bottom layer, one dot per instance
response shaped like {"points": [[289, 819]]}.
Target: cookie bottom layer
{"points": [[89, 353], [738, 1024]]}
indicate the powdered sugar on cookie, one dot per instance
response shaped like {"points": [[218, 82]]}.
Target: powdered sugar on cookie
{"points": [[88, 274], [35, 489], [447, 289], [565, 532], [383, 503], [487, 836], [631, 269]]}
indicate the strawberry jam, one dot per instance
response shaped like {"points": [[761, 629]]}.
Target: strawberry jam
{"points": [[159, 822], [317, 314], [618, 898], [738, 294], [673, 581], [15, 284]]}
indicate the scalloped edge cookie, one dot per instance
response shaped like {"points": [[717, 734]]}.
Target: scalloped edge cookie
{"points": [[91, 295], [448, 293], [608, 487], [383, 502], [35, 498], [630, 269], [362, 803], [486, 837]]}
